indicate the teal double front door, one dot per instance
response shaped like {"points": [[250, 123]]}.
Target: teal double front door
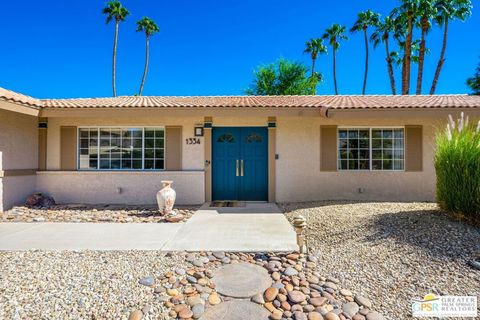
{"points": [[240, 163]]}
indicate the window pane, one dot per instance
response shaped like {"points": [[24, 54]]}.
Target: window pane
{"points": [[159, 153], [149, 133], [388, 143], [387, 165], [352, 143], [364, 164], [398, 154], [342, 143], [364, 143], [137, 143], [354, 154], [149, 153], [149, 163], [387, 134], [398, 165], [126, 164], [376, 134], [104, 164], [398, 133], [115, 164], [93, 164], [352, 164], [387, 154], [159, 134], [343, 165], [377, 164], [105, 133], [376, 143], [364, 154], [352, 134], [84, 133], [376, 154], [149, 143], [398, 143], [137, 163], [343, 154], [158, 164], [343, 134], [137, 153]]}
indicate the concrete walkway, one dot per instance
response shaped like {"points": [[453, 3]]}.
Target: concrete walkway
{"points": [[255, 227]]}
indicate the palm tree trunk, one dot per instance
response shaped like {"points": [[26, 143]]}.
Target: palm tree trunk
{"points": [[114, 60], [313, 67], [314, 92], [390, 68], [421, 57], [147, 46], [335, 70], [407, 57], [441, 61], [366, 61]]}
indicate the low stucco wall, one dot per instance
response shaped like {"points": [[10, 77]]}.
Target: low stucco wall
{"points": [[16, 190], [96, 187]]}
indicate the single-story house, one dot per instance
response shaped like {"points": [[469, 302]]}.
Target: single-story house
{"points": [[252, 148]]}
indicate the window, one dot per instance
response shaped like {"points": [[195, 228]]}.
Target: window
{"points": [[371, 149], [121, 148]]}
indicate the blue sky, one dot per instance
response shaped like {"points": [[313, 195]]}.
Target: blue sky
{"points": [[61, 49]]}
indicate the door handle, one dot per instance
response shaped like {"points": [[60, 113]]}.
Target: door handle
{"points": [[241, 168], [236, 168]]}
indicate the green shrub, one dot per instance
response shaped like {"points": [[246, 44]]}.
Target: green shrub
{"points": [[457, 164]]}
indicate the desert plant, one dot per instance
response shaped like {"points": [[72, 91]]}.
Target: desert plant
{"points": [[457, 165]]}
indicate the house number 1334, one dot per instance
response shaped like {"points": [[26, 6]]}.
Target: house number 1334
{"points": [[193, 140]]}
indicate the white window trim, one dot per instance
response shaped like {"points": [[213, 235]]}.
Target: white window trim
{"points": [[143, 148], [370, 147]]}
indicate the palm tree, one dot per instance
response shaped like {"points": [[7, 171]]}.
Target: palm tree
{"points": [[365, 19], [448, 10], [334, 34], [115, 11], [426, 11], [382, 34], [148, 26], [315, 47], [406, 15]]}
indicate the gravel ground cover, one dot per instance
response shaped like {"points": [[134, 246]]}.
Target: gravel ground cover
{"points": [[391, 252], [91, 213], [80, 285], [138, 285]]}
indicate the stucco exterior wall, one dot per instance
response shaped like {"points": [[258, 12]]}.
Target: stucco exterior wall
{"points": [[298, 168], [18, 150], [120, 187], [298, 175]]}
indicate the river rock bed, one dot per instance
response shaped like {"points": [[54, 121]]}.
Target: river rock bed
{"points": [[297, 291], [92, 213]]}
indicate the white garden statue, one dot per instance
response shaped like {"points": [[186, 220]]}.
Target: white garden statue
{"points": [[166, 199]]}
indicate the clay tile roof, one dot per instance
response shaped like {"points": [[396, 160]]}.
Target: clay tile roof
{"points": [[323, 102], [333, 102], [22, 99]]}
